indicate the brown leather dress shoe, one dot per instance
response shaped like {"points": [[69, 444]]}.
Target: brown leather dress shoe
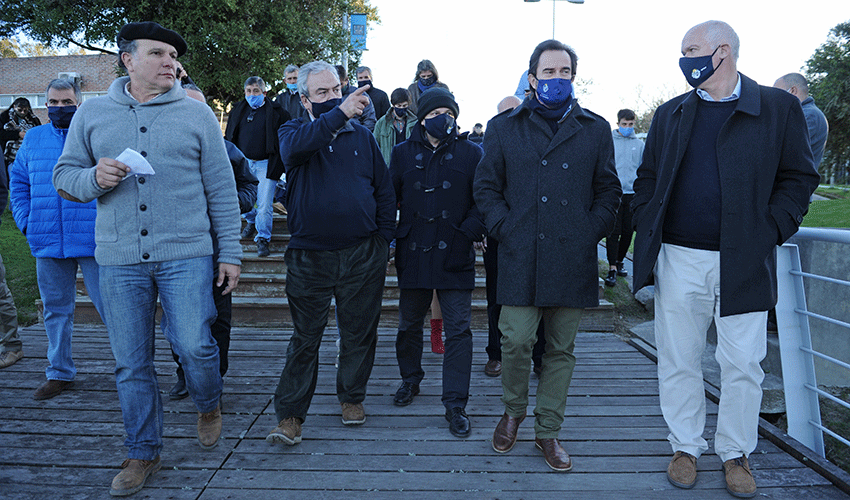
{"points": [[504, 437], [51, 388], [556, 458], [493, 368]]}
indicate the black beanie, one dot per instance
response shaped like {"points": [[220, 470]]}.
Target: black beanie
{"points": [[435, 98]]}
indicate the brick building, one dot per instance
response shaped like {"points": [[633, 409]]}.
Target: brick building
{"points": [[28, 77]]}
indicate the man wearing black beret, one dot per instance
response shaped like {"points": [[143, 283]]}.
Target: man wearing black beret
{"points": [[153, 233]]}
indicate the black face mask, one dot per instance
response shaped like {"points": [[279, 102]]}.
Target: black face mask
{"points": [[361, 83], [323, 107], [60, 116], [399, 112], [427, 82], [440, 126], [698, 69]]}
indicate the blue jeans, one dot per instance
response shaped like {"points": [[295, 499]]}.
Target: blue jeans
{"points": [[184, 290], [261, 214], [57, 285]]}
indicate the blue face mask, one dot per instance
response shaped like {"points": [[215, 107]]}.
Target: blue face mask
{"points": [[440, 126], [293, 87], [698, 69], [323, 107], [627, 131], [60, 116], [555, 92], [255, 101]]}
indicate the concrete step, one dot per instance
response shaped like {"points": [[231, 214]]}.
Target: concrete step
{"points": [[273, 312], [279, 224], [274, 263]]}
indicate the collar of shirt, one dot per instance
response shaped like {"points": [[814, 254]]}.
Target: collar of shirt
{"points": [[127, 92], [705, 96]]}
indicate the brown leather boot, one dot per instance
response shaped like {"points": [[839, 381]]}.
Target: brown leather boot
{"points": [[504, 437], [556, 458]]}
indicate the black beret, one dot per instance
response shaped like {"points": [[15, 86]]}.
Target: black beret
{"points": [[432, 99], [152, 31]]}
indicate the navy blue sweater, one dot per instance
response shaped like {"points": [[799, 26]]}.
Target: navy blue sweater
{"points": [[338, 190], [693, 216]]}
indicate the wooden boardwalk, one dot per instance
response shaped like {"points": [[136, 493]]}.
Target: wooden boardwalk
{"points": [[71, 446]]}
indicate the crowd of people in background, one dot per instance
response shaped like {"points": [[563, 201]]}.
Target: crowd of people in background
{"points": [[724, 176]]}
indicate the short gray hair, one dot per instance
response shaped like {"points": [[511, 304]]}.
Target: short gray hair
{"points": [[363, 69], [128, 46], [718, 32], [256, 80], [310, 68], [65, 84], [290, 69]]}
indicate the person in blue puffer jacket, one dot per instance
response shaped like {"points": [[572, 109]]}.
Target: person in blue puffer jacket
{"points": [[60, 233]]}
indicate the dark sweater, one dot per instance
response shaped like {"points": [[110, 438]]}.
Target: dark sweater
{"points": [[693, 215], [250, 136], [338, 189]]}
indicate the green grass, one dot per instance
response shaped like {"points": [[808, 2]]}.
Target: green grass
{"points": [[828, 213], [834, 192], [20, 269]]}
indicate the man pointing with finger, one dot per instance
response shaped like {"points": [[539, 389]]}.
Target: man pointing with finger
{"points": [[153, 234], [341, 208]]}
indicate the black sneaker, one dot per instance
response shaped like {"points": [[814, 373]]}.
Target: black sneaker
{"points": [[611, 280], [621, 271], [262, 247]]}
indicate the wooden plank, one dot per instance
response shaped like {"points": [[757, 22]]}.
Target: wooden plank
{"points": [[613, 429]]}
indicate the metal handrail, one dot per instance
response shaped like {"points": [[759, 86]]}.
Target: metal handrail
{"points": [[792, 317]]}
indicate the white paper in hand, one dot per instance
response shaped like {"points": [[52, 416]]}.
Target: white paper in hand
{"points": [[137, 163]]}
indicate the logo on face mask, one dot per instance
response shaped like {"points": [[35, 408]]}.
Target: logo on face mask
{"points": [[698, 69], [555, 92]]}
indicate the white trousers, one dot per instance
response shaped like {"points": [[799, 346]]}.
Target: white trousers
{"points": [[687, 298]]}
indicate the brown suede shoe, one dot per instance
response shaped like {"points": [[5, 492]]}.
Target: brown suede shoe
{"points": [[739, 479], [493, 368], [209, 428], [52, 388], [682, 471], [504, 437], [132, 478], [288, 431], [556, 458], [9, 358]]}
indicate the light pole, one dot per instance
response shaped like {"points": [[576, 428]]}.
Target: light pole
{"points": [[553, 11]]}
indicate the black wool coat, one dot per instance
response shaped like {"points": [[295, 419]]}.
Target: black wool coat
{"points": [[766, 178], [548, 198], [438, 220]]}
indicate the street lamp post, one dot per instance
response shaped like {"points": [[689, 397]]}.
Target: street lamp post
{"points": [[553, 11]]}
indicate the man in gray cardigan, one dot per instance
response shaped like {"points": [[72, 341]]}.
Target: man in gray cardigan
{"points": [[153, 233]]}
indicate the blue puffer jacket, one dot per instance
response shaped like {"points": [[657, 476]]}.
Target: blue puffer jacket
{"points": [[54, 227]]}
